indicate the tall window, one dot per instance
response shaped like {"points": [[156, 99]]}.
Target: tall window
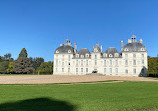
{"points": [[142, 62], [104, 62], [56, 69], [56, 62], [116, 62], [62, 69], [116, 70], [134, 55], [86, 62], [142, 55], [81, 62], [81, 69], [95, 56], [126, 62], [62, 63], [110, 62], [63, 56], [69, 57], [76, 69], [126, 55], [104, 70], [134, 62], [87, 70], [95, 62], [110, 70], [126, 71], [134, 71], [77, 62], [68, 69]]}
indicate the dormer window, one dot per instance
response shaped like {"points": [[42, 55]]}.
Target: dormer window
{"points": [[126, 49], [116, 55], [105, 55], [82, 56], [110, 55], [69, 51], [87, 55], [142, 49], [57, 51], [77, 56]]}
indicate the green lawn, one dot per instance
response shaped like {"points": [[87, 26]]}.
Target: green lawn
{"points": [[84, 97]]}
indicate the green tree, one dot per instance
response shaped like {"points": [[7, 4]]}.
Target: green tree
{"points": [[152, 66], [4, 67], [36, 62], [45, 68], [22, 64], [10, 68]]}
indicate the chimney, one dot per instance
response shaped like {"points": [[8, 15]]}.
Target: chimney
{"points": [[141, 41], [129, 41], [121, 45], [101, 48], [75, 47], [61, 44]]}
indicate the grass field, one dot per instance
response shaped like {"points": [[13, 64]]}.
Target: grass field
{"points": [[84, 97]]}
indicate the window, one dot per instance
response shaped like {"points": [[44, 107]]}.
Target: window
{"points": [[134, 71], [116, 70], [69, 63], [105, 55], [95, 56], [57, 51], [68, 69], [76, 62], [142, 55], [142, 49], [104, 62], [134, 55], [95, 62], [126, 49], [56, 56], [134, 62], [62, 63], [116, 62], [81, 62], [56, 69], [82, 56], [126, 62], [126, 55], [142, 62], [104, 70], [87, 55], [116, 54], [69, 57], [86, 69], [56, 62], [63, 56], [76, 69], [86, 62], [110, 70], [110, 62], [69, 51], [62, 69], [77, 56], [81, 69], [110, 55], [126, 71]]}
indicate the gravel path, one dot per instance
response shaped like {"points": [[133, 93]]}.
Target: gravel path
{"points": [[45, 79]]}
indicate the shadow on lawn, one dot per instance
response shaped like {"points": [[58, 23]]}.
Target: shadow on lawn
{"points": [[38, 104]]}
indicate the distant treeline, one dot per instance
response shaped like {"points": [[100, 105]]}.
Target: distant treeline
{"points": [[24, 65], [152, 66]]}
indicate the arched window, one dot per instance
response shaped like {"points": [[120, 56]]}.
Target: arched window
{"points": [[110, 55], [69, 51], [57, 51]]}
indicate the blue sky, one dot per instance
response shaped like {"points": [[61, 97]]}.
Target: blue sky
{"points": [[41, 25]]}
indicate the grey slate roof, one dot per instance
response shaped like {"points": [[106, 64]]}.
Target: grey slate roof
{"points": [[64, 49], [112, 51], [134, 47], [83, 52]]}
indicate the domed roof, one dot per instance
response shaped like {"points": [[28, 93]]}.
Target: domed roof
{"points": [[134, 47], [64, 49]]}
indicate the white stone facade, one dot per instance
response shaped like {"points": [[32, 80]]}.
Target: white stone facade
{"points": [[131, 61]]}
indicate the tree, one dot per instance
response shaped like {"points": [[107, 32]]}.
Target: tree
{"points": [[22, 64], [10, 68], [7, 56], [45, 68], [3, 67], [153, 66], [36, 62]]}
